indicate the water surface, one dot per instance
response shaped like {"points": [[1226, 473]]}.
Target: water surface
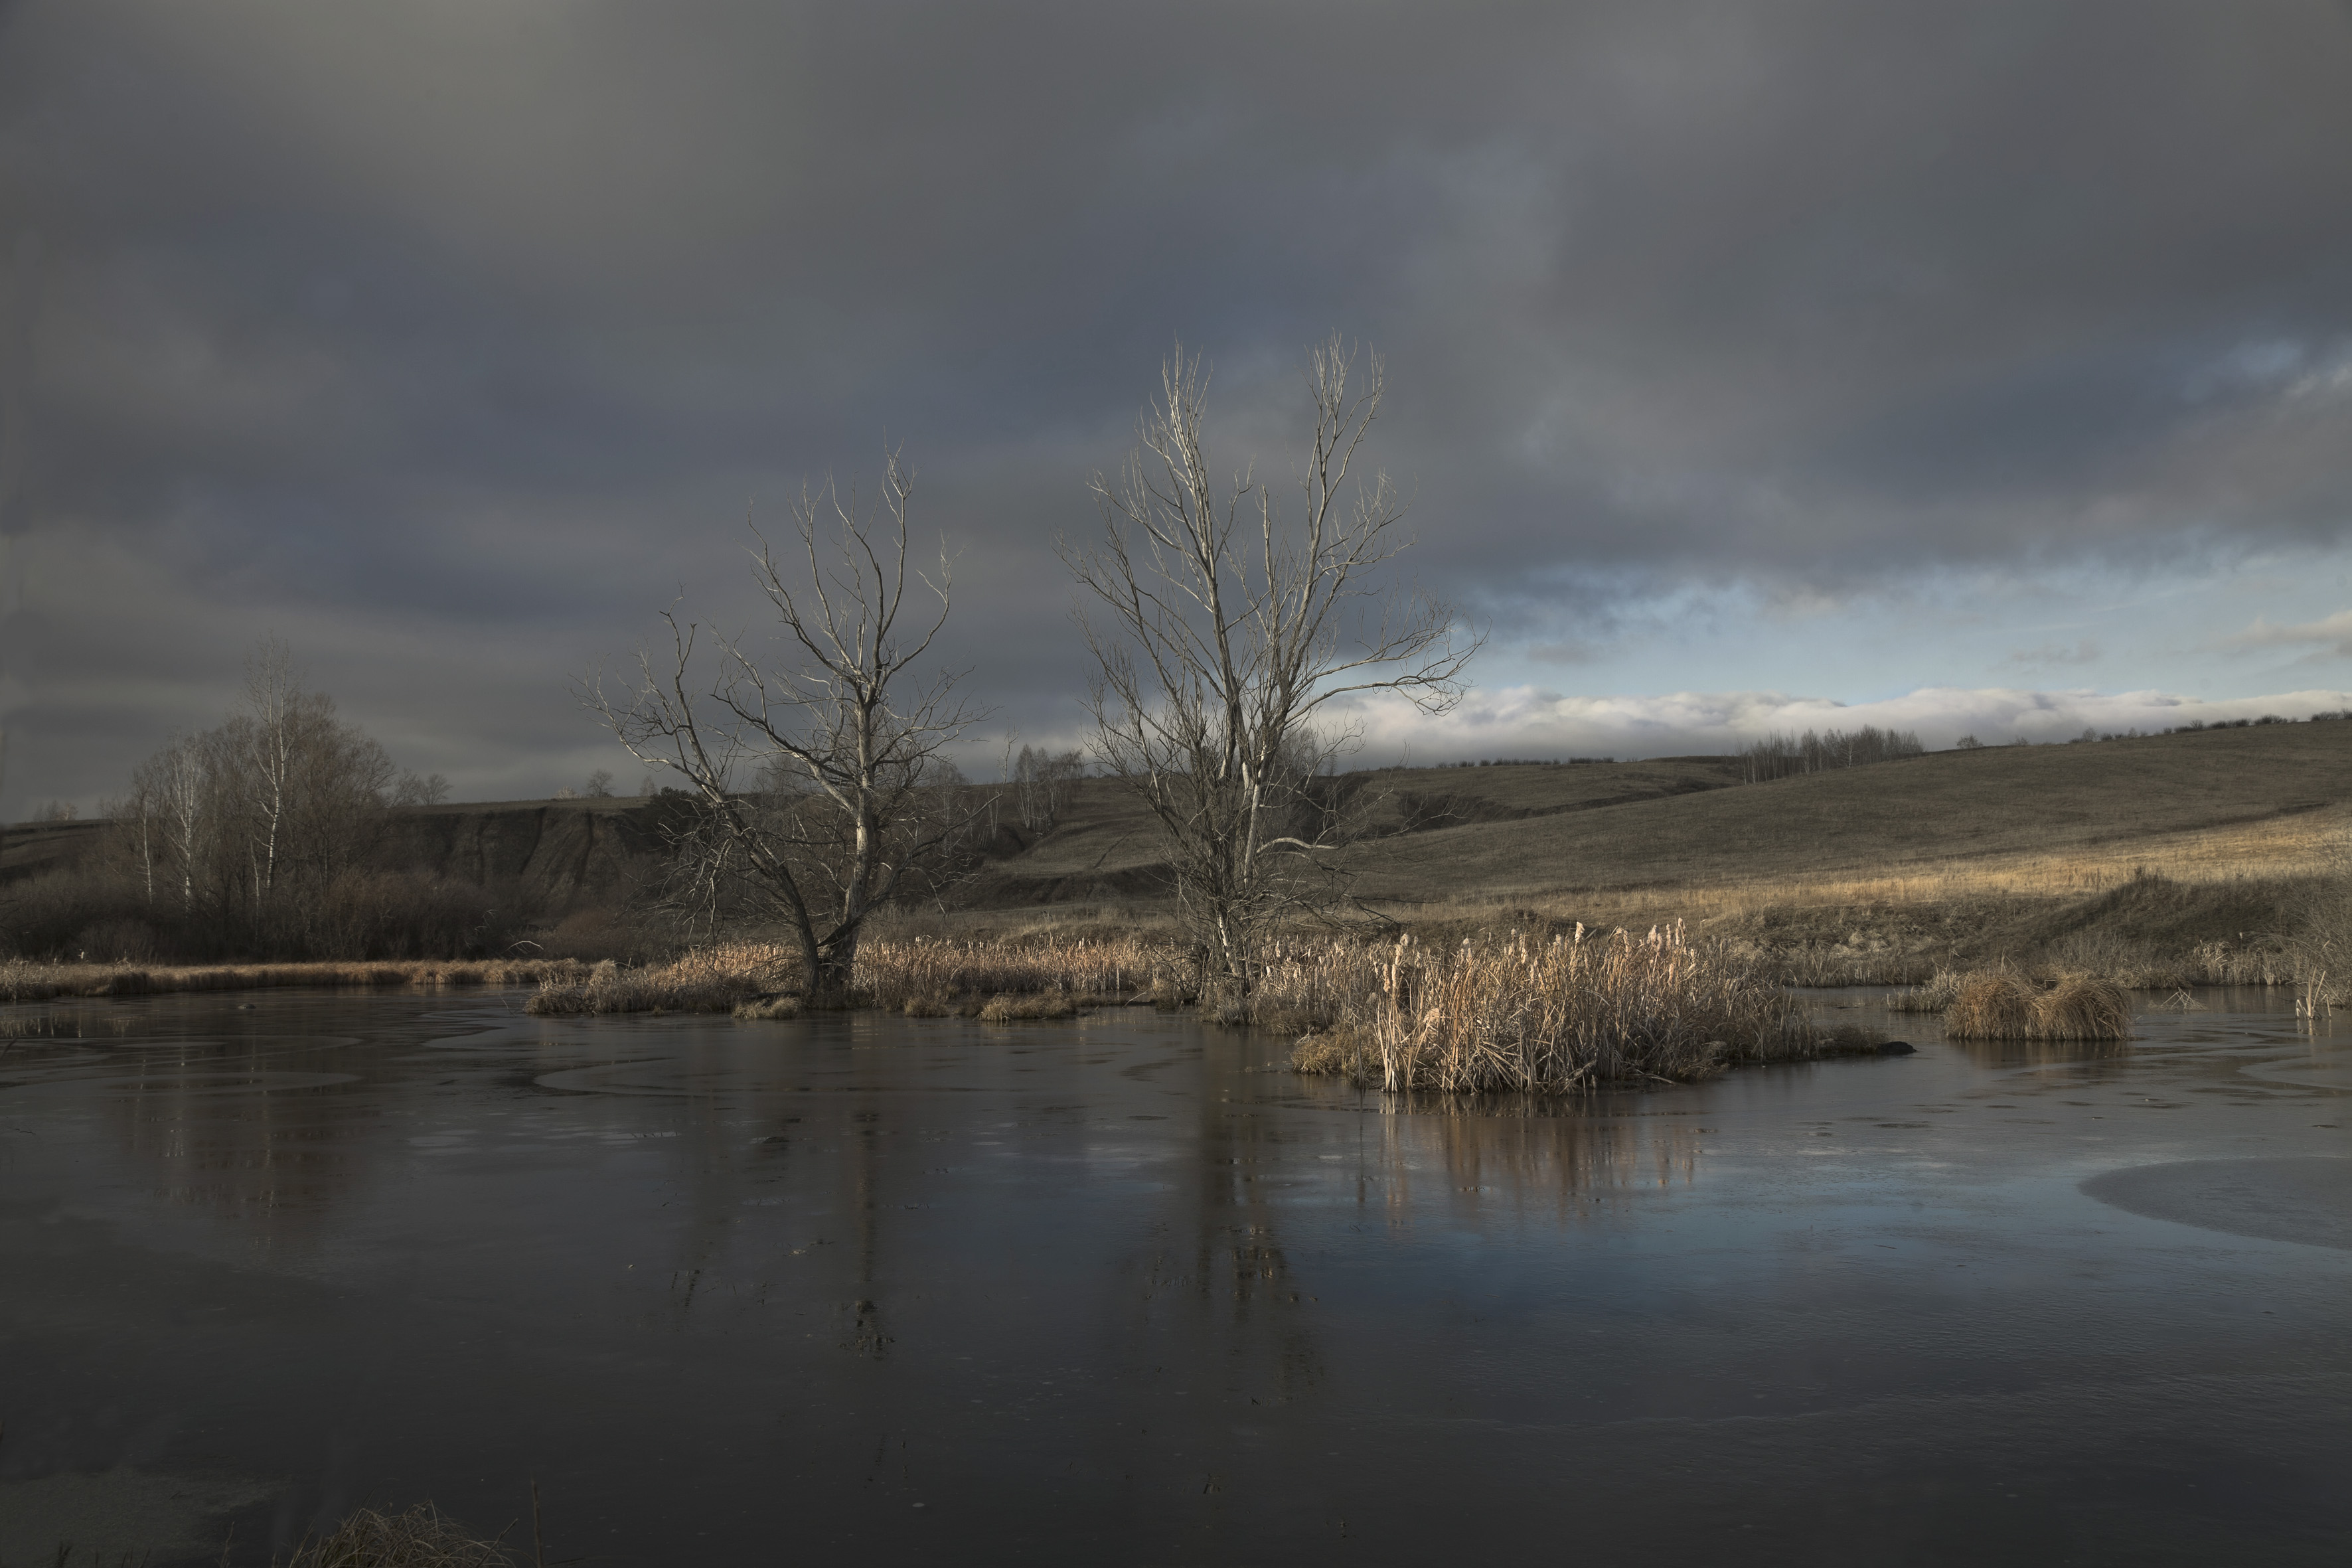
{"points": [[1123, 1291]]}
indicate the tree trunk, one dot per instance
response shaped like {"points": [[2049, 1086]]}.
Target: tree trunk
{"points": [[829, 976]]}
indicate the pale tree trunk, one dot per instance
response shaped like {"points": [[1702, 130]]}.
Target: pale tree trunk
{"points": [[273, 700]]}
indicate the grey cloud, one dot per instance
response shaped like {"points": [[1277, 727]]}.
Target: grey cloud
{"points": [[480, 328]]}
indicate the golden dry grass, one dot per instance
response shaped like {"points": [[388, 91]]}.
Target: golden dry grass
{"points": [[1539, 1017], [713, 979], [1999, 1004], [1995, 1004], [890, 972]]}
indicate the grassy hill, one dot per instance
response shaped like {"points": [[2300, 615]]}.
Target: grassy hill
{"points": [[1878, 871], [2191, 855]]}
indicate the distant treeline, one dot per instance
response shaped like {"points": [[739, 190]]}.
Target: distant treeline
{"points": [[1779, 756], [258, 838]]}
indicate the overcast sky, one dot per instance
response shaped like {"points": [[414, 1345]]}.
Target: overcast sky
{"points": [[1979, 368]]}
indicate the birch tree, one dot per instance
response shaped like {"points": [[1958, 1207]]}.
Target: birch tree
{"points": [[1226, 627]]}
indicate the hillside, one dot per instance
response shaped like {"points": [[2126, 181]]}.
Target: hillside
{"points": [[2155, 799], [2001, 849], [2172, 858], [2260, 798]]}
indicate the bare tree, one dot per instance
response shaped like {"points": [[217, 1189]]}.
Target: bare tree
{"points": [[1228, 627], [429, 789], [819, 780]]}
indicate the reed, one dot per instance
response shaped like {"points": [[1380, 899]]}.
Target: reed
{"points": [[2000, 1005], [1551, 1016]]}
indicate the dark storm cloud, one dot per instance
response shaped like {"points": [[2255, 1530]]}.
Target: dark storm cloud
{"points": [[454, 338]]}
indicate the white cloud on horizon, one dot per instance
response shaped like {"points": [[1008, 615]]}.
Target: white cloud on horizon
{"points": [[1527, 721], [2334, 633]]}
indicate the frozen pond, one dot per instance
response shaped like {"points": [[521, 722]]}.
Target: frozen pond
{"points": [[871, 1290]]}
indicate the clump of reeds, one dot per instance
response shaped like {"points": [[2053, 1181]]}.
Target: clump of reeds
{"points": [[713, 979], [1547, 1017], [420, 1538], [2000, 1005], [779, 1005], [1991, 1005], [1933, 996]]}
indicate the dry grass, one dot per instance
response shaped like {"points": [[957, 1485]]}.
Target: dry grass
{"points": [[1933, 996], [919, 976], [2000, 1005], [1012, 1009], [420, 1538], [1993, 1005], [21, 981], [1549, 1017], [715, 979], [939, 971]]}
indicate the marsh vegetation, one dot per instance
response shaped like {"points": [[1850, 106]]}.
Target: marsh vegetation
{"points": [[1536, 1016], [2002, 1004]]}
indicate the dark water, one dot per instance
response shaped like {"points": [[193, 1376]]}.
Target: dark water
{"points": [[873, 1291]]}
